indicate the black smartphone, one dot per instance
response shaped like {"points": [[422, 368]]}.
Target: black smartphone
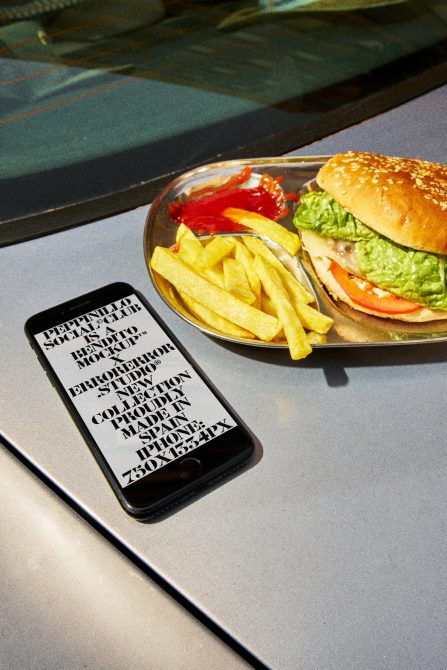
{"points": [[156, 425]]}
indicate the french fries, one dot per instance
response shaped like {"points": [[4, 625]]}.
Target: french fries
{"points": [[264, 226], [215, 251], [182, 276], [258, 247], [271, 282], [236, 281], [212, 318], [245, 258], [240, 288]]}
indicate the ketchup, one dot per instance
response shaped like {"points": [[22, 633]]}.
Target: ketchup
{"points": [[203, 209]]}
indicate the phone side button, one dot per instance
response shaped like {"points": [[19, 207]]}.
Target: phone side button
{"points": [[190, 468]]}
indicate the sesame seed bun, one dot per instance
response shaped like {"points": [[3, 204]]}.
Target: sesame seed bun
{"points": [[404, 199]]}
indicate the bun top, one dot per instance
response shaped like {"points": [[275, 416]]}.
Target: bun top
{"points": [[404, 199]]}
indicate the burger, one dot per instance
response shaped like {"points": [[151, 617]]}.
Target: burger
{"points": [[376, 234]]}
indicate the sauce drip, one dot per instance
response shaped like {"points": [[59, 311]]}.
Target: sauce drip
{"points": [[202, 211]]}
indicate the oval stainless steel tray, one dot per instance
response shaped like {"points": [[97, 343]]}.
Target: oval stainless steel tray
{"points": [[351, 328]]}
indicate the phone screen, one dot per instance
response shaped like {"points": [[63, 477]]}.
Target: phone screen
{"points": [[144, 404]]}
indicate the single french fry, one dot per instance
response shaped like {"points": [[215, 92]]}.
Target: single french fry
{"points": [[184, 232], [236, 281], [213, 319], [267, 305], [258, 247], [311, 318], [189, 249], [316, 338], [187, 245], [214, 251], [246, 258], [264, 226], [215, 275], [299, 346], [186, 279]]}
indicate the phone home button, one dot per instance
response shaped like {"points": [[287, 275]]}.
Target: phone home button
{"points": [[190, 468]]}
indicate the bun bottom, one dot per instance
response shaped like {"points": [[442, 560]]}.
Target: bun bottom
{"points": [[321, 267]]}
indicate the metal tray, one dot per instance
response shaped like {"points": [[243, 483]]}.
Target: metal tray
{"points": [[350, 329]]}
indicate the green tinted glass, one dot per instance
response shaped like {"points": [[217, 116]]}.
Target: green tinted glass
{"points": [[100, 96]]}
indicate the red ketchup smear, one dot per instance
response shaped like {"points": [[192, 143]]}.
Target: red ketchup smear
{"points": [[203, 209]]}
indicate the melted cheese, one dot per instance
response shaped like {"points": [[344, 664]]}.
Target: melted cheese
{"points": [[339, 251]]}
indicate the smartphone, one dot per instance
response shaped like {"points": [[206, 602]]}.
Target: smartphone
{"points": [[156, 425]]}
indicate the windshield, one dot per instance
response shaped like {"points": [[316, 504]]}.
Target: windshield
{"points": [[103, 97]]}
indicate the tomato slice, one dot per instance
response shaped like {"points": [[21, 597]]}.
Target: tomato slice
{"points": [[365, 293]]}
